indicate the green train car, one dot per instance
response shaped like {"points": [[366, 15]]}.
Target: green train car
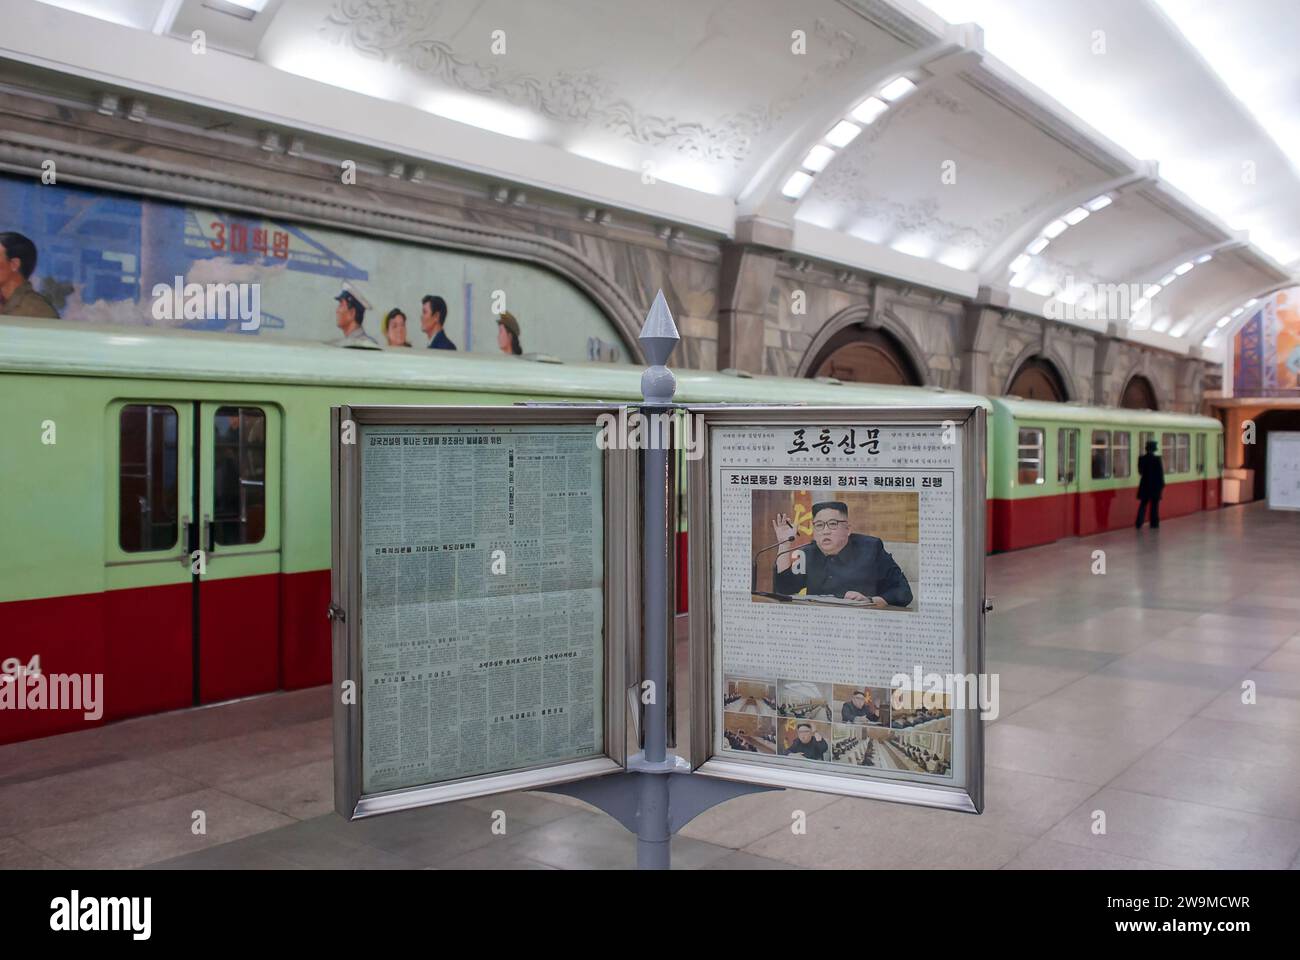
{"points": [[1064, 470], [126, 448]]}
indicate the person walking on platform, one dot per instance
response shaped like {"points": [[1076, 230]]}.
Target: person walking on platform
{"points": [[1150, 486]]}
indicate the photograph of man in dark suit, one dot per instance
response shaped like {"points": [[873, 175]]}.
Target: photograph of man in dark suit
{"points": [[839, 562]]}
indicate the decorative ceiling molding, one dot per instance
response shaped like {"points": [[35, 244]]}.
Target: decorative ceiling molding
{"points": [[401, 33]]}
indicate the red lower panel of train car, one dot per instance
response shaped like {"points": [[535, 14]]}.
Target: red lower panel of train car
{"points": [[1033, 521], [140, 641]]}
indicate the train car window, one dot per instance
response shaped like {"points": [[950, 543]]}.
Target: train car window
{"points": [[1100, 454], [1220, 453], [1029, 455], [1200, 453], [1168, 455], [1145, 437], [1066, 456], [146, 478], [1122, 463], [1184, 452], [238, 475]]}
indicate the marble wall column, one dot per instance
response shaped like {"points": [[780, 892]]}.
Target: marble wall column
{"points": [[746, 276]]}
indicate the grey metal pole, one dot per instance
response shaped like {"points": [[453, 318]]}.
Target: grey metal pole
{"points": [[657, 794], [659, 337]]}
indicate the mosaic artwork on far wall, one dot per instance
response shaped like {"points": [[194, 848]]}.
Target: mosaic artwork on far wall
{"points": [[1267, 348], [101, 254]]}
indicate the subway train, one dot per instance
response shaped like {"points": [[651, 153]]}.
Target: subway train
{"points": [[125, 448]]}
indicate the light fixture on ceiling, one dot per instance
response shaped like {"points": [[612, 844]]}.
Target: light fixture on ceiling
{"points": [[1037, 247], [1018, 265], [1204, 258], [1077, 215], [842, 133], [1099, 203], [868, 110], [1055, 229], [897, 89], [1183, 268], [1223, 322], [797, 185], [818, 157], [243, 9]]}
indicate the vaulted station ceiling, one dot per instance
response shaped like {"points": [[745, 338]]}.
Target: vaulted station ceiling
{"points": [[1128, 165]]}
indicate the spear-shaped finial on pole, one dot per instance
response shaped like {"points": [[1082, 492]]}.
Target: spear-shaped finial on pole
{"points": [[659, 337]]}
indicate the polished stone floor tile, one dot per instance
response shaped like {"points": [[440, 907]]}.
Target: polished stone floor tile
{"points": [[149, 832], [83, 793], [591, 841], [862, 834], [1265, 788], [301, 792], [1053, 855], [743, 820], [1180, 833], [16, 855]]}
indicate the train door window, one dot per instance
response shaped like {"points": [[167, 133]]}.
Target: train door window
{"points": [[148, 494], [238, 475], [1029, 455], [1200, 454], [1220, 453], [1184, 452], [1100, 454], [1145, 437], [1168, 454], [1066, 456], [1122, 462]]}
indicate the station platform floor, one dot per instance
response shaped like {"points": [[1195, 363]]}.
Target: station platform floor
{"points": [[1120, 692]]}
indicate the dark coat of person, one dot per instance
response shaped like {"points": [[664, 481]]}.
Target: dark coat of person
{"points": [[851, 714], [1152, 473], [863, 565], [814, 749]]}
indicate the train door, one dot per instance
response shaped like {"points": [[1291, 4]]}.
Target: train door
{"points": [[239, 592], [1067, 476], [148, 606], [1202, 475]]}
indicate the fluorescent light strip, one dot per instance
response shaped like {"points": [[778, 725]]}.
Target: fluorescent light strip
{"points": [[818, 157], [797, 185], [897, 89], [842, 133], [868, 110]]}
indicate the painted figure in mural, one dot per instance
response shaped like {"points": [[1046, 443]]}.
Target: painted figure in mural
{"points": [[17, 263], [394, 328], [1150, 486], [1293, 362], [350, 316], [508, 334], [433, 314]]}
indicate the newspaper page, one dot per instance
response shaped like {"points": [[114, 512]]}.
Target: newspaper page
{"points": [[482, 610], [837, 567]]}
